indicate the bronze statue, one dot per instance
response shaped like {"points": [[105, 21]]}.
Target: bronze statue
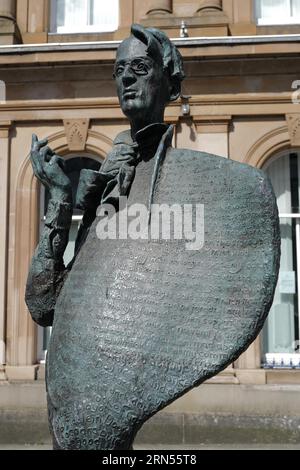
{"points": [[137, 322]]}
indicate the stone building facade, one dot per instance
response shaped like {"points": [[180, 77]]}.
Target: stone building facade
{"points": [[240, 100]]}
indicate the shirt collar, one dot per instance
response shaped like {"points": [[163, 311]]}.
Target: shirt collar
{"points": [[148, 136], [146, 140]]}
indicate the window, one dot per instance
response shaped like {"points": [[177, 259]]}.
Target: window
{"points": [[84, 16], [73, 167], [275, 12], [282, 328]]}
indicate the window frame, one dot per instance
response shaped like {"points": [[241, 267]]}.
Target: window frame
{"points": [[83, 29], [288, 20], [285, 360]]}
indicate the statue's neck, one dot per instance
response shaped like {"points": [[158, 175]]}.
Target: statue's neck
{"points": [[139, 125], [148, 139]]}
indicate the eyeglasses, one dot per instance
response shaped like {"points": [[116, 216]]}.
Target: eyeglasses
{"points": [[139, 66]]}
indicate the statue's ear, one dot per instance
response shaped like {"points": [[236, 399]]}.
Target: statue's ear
{"points": [[175, 90]]}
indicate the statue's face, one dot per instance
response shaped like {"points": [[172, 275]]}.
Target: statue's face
{"points": [[141, 83]]}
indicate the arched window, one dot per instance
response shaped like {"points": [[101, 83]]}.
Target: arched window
{"points": [[84, 16], [74, 165], [281, 331]]}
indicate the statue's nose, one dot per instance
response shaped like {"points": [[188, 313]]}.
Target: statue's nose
{"points": [[128, 76]]}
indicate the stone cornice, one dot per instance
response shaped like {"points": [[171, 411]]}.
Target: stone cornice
{"points": [[104, 109], [179, 42], [112, 102], [190, 47]]}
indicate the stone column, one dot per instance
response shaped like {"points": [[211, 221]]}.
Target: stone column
{"points": [[4, 183], [8, 9], [24, 222], [36, 30], [160, 7], [242, 23], [210, 6], [212, 17], [9, 33]]}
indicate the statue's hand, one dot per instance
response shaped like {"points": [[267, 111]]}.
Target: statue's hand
{"points": [[49, 169]]}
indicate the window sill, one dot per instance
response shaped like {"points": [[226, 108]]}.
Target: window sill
{"points": [[274, 22], [283, 377], [278, 29]]}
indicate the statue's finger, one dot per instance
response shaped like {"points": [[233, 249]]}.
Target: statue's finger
{"points": [[37, 164], [33, 163], [34, 143], [41, 143], [58, 160], [34, 140], [46, 153]]}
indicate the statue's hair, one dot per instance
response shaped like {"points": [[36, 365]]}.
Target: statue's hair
{"points": [[158, 42]]}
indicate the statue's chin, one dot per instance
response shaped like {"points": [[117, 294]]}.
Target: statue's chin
{"points": [[132, 108]]}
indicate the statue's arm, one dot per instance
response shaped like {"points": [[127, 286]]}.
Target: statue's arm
{"points": [[47, 271], [94, 185]]}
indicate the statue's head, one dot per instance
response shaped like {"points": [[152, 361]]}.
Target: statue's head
{"points": [[148, 73]]}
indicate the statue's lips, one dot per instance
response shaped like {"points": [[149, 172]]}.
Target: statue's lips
{"points": [[129, 94]]}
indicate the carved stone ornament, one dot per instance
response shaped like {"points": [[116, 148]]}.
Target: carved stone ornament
{"points": [[293, 122], [76, 132]]}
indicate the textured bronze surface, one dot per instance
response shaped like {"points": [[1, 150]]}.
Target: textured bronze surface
{"points": [[138, 323]]}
